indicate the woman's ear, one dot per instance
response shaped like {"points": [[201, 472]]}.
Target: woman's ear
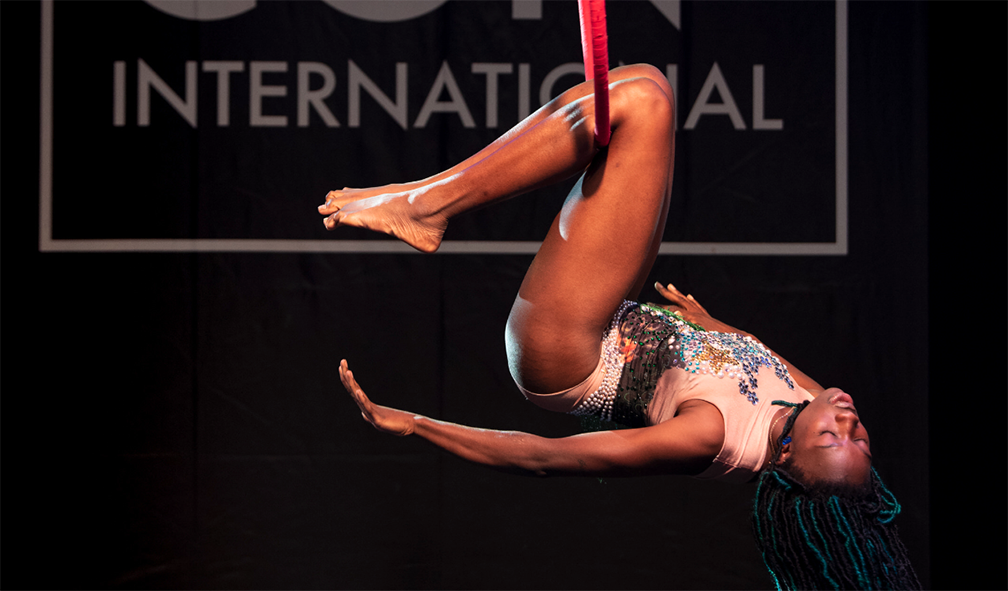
{"points": [[785, 451]]}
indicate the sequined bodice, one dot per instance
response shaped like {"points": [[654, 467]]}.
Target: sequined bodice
{"points": [[652, 340]]}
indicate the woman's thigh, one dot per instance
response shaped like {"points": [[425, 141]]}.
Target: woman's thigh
{"points": [[599, 246]]}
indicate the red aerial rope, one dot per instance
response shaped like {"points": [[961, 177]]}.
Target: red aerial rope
{"points": [[596, 60]]}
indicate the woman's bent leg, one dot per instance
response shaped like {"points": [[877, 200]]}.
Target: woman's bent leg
{"points": [[600, 247], [525, 158]]}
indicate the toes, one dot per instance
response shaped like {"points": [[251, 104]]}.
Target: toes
{"points": [[330, 200], [342, 218], [334, 201]]}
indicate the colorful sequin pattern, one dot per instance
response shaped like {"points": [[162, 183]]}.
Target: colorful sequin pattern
{"points": [[726, 355], [653, 339]]}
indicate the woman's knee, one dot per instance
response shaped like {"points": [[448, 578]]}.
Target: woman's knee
{"points": [[645, 72], [645, 98]]}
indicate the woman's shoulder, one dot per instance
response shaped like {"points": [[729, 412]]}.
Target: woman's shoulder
{"points": [[703, 423]]}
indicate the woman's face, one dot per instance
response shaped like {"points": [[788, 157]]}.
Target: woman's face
{"points": [[828, 441]]}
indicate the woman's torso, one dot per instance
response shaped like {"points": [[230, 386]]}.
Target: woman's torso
{"points": [[669, 362]]}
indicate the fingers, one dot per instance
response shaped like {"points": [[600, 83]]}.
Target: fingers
{"points": [[670, 293], [686, 302], [346, 376], [696, 305], [344, 371], [387, 420]]}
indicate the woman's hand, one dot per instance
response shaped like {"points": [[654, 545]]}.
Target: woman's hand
{"points": [[383, 418], [680, 303], [691, 310]]}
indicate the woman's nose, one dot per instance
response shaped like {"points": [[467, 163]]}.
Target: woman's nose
{"points": [[848, 419]]}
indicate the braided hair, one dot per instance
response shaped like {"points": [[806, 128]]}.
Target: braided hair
{"points": [[828, 537]]}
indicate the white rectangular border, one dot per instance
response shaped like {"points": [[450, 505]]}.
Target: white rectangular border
{"points": [[47, 244]]}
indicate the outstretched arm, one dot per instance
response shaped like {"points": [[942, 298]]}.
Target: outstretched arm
{"points": [[686, 444], [691, 310]]}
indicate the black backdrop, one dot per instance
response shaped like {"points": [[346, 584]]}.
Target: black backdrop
{"points": [[173, 419]]}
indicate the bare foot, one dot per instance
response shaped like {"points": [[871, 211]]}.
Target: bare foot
{"points": [[398, 214]]}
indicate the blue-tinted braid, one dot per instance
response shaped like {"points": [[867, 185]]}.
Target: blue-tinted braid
{"points": [[890, 508], [822, 561], [885, 550], [853, 552], [873, 552], [825, 542]]}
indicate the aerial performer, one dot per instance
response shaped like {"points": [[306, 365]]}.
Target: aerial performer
{"points": [[700, 398]]}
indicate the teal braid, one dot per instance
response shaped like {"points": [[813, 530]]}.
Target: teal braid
{"points": [[873, 551], [815, 549], [824, 541], [786, 403], [890, 507], [854, 554]]}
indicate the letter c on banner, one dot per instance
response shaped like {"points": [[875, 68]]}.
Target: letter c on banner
{"points": [[386, 11], [203, 10]]}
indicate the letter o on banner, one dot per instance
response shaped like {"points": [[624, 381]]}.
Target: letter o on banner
{"points": [[386, 11], [203, 10]]}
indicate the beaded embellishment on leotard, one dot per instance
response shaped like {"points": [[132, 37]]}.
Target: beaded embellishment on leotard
{"points": [[653, 339], [601, 401]]}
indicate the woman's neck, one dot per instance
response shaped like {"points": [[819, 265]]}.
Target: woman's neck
{"points": [[775, 432]]}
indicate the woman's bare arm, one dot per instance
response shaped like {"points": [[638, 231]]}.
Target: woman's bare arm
{"points": [[686, 444], [691, 310]]}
